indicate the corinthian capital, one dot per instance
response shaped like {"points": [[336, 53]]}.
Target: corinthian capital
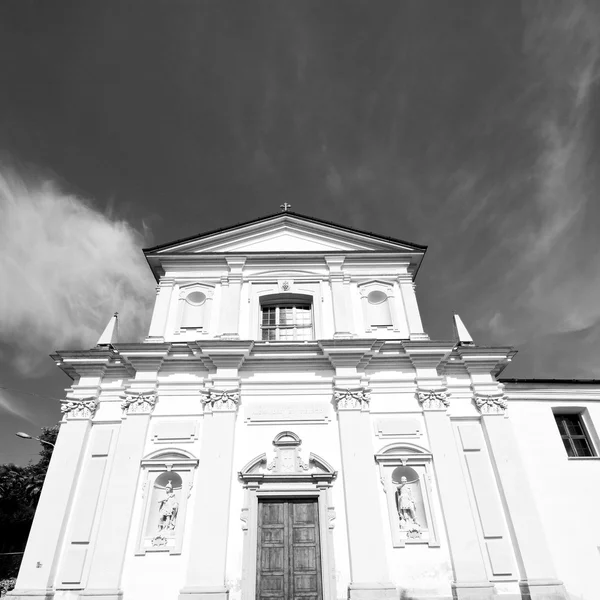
{"points": [[139, 402], [79, 408], [346, 398], [435, 399], [220, 400], [492, 404]]}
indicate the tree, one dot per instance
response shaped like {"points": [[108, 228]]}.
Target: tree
{"points": [[20, 489]]}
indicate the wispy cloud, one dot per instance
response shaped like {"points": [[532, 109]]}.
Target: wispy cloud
{"points": [[67, 267], [556, 284], [10, 405]]}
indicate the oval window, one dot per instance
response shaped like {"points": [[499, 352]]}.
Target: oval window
{"points": [[376, 297], [196, 298]]}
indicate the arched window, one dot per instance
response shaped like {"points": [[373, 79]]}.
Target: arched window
{"points": [[286, 317]]}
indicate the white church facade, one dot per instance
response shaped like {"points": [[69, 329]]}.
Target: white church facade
{"points": [[289, 431]]}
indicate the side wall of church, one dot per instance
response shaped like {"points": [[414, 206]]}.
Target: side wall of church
{"points": [[566, 489]]}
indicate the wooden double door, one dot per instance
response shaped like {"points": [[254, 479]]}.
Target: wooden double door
{"points": [[289, 553]]}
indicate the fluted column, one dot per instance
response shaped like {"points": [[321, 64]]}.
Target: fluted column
{"points": [[38, 568], [538, 578], [115, 520], [210, 528], [368, 562]]}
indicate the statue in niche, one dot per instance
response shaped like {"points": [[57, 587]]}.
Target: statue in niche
{"points": [[407, 510], [167, 511]]}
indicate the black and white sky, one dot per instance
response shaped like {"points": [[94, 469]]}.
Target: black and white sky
{"points": [[472, 127]]}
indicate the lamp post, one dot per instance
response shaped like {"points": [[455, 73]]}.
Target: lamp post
{"points": [[26, 436]]}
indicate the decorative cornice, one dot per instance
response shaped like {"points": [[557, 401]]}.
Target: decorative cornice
{"points": [[79, 408], [433, 399], [492, 404], [351, 398], [220, 400], [139, 402]]}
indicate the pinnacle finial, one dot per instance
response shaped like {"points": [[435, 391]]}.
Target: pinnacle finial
{"points": [[110, 334], [461, 333], [285, 206]]}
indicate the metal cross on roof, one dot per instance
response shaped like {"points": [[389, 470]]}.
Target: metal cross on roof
{"points": [[284, 207]]}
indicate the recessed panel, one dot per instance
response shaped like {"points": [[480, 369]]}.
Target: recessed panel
{"points": [[303, 512], [272, 513], [74, 561], [500, 556], [305, 558], [272, 583], [272, 535], [272, 559], [303, 534], [305, 583]]}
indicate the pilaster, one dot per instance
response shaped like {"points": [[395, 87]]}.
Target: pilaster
{"points": [[40, 560], [538, 578], [205, 577], [470, 576], [231, 291], [342, 311], [536, 569], [164, 292], [368, 562], [108, 554], [411, 308]]}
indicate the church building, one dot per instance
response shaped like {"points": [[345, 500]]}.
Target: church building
{"points": [[288, 431]]}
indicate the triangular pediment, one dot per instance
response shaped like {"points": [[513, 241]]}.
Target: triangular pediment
{"points": [[285, 232]]}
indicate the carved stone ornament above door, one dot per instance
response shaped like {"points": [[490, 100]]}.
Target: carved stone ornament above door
{"points": [[288, 463]]}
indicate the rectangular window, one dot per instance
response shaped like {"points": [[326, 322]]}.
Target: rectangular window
{"points": [[573, 434], [286, 322]]}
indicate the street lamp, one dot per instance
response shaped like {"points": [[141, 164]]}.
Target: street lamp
{"points": [[26, 436]]}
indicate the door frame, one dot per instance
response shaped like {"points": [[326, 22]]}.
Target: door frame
{"points": [[259, 485]]}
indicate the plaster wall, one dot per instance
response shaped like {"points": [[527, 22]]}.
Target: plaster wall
{"points": [[419, 569], [566, 491], [158, 575]]}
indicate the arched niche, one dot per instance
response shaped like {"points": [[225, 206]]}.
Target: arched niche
{"points": [[194, 308], [287, 473], [406, 472], [378, 306], [167, 477]]}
